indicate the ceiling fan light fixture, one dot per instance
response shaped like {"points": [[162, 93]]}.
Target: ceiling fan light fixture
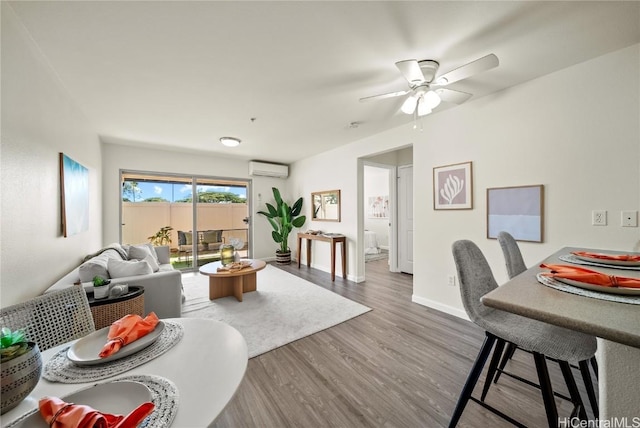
{"points": [[230, 141], [409, 105], [431, 99], [423, 108]]}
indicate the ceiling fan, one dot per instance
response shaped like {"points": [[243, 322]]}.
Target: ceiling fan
{"points": [[426, 91]]}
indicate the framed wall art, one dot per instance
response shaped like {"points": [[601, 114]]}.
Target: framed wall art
{"points": [[74, 192], [517, 210], [378, 206], [453, 187]]}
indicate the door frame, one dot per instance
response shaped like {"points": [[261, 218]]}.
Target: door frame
{"points": [[393, 218]]}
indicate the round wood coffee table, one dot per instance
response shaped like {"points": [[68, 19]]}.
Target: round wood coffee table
{"points": [[225, 283]]}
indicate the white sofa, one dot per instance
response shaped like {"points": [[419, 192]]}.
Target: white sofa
{"points": [[162, 286]]}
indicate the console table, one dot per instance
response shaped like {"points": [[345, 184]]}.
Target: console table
{"points": [[333, 239]]}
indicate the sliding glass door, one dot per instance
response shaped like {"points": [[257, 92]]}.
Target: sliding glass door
{"points": [[163, 209]]}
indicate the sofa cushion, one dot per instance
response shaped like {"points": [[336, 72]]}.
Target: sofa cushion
{"points": [[185, 238], [212, 236], [122, 268]]}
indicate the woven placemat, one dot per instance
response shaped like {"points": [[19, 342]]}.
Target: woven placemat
{"points": [[60, 369], [550, 282], [164, 395], [573, 259]]}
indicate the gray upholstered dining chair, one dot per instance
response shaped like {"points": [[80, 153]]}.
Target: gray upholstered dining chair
{"points": [[541, 339], [515, 266], [52, 318]]}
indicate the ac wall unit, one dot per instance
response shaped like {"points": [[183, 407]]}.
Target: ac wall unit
{"points": [[268, 169]]}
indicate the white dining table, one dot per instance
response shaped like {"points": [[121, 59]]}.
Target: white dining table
{"points": [[207, 365], [616, 326]]}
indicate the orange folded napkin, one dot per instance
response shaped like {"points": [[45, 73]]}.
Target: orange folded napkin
{"points": [[128, 329], [616, 257], [59, 414], [589, 276]]}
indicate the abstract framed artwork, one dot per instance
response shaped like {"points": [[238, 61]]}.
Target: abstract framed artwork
{"points": [[453, 187], [518, 210], [378, 206], [74, 195]]}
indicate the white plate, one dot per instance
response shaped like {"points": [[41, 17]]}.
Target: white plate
{"points": [[85, 352], [600, 288], [607, 262], [113, 397]]}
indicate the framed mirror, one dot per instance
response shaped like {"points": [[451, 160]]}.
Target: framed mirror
{"points": [[325, 206]]}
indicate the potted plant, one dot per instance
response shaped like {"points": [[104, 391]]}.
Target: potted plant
{"points": [[100, 287], [21, 366], [283, 218], [161, 237]]}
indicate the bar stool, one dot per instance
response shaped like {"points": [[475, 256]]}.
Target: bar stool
{"points": [[515, 266], [541, 339]]}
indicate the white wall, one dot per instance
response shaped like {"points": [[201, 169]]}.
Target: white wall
{"points": [[579, 139], [39, 120], [116, 157]]}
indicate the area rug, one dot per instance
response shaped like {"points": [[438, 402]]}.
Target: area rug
{"points": [[285, 308], [381, 255]]}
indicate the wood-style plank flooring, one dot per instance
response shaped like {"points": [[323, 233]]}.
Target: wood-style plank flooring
{"points": [[399, 365]]}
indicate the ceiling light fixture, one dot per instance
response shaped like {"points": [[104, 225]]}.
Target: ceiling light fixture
{"points": [[230, 141], [409, 105], [424, 100]]}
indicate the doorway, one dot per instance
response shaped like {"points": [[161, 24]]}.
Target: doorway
{"points": [[163, 209], [395, 163]]}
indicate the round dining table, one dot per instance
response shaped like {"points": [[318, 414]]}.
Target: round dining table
{"points": [[206, 365]]}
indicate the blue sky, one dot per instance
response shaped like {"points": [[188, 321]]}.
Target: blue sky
{"points": [[174, 192]]}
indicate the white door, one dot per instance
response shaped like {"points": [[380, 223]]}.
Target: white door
{"points": [[405, 219]]}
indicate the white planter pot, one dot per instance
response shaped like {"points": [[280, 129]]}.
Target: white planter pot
{"points": [[101, 292]]}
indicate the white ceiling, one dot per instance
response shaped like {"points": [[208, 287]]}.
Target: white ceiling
{"points": [[182, 74]]}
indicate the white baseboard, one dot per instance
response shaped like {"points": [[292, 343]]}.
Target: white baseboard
{"points": [[460, 313]]}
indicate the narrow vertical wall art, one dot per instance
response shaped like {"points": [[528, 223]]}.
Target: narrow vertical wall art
{"points": [[74, 192]]}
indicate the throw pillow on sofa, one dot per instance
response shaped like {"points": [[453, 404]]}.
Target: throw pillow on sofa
{"points": [[97, 265], [122, 268], [152, 263], [139, 252]]}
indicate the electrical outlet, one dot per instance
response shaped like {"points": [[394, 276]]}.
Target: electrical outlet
{"points": [[452, 280], [629, 218], [599, 218]]}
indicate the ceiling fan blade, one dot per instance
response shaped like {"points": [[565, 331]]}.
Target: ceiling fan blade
{"points": [[451, 96], [383, 96], [478, 66], [410, 69]]}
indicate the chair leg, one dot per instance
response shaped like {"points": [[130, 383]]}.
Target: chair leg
{"points": [[511, 349], [472, 379], [594, 365], [591, 393], [573, 389], [546, 389], [493, 366]]}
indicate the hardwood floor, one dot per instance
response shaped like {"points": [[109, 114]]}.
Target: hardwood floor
{"points": [[399, 365]]}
